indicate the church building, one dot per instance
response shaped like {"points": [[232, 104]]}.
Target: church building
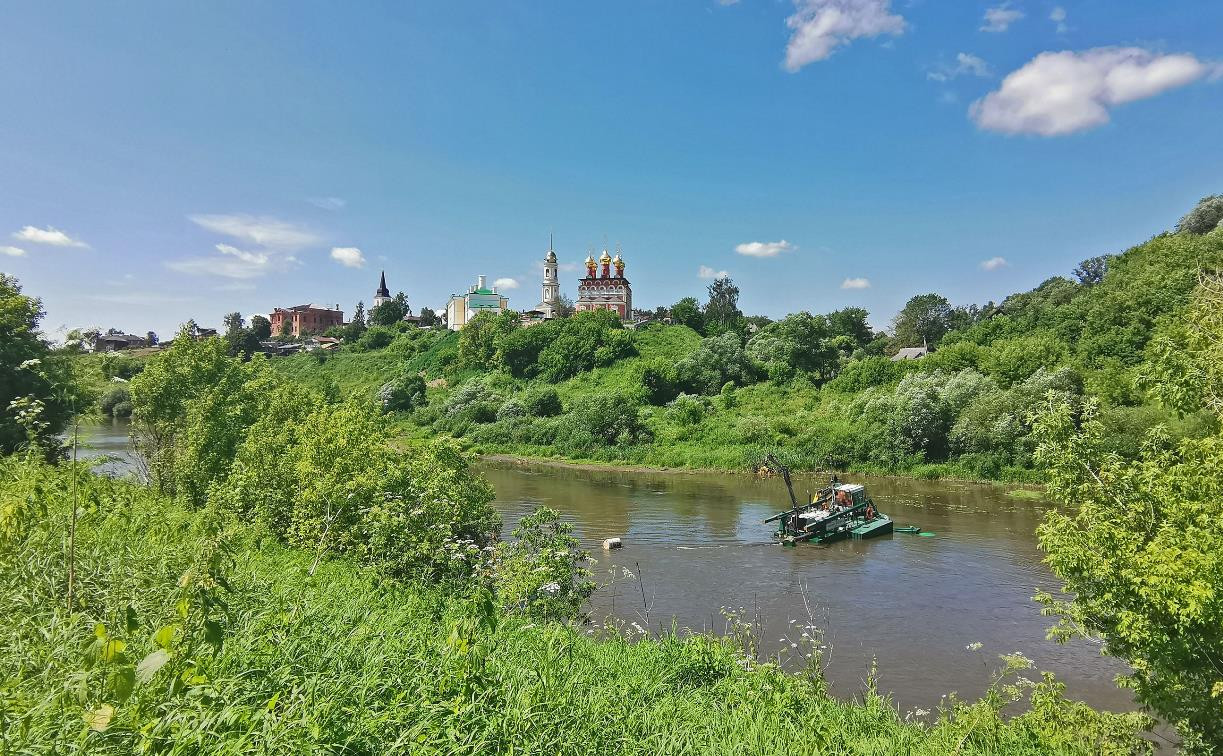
{"points": [[605, 291], [383, 294], [551, 286]]}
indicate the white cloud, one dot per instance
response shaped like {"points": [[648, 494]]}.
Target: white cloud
{"points": [[819, 27], [349, 257], [234, 263], [328, 203], [266, 232], [1058, 16], [707, 272], [12, 251], [994, 263], [856, 283], [965, 64], [765, 249], [1063, 92], [48, 235], [506, 283], [1000, 18]]}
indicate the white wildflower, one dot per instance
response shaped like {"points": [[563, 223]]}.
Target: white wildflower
{"points": [[974, 646], [31, 363]]}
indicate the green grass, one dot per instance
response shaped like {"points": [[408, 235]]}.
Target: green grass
{"points": [[341, 661]]}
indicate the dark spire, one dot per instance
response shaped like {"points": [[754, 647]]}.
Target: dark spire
{"points": [[382, 290]]}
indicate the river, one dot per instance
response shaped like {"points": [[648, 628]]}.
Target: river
{"points": [[695, 542]]}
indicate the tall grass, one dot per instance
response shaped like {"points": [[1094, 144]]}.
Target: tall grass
{"points": [[262, 656]]}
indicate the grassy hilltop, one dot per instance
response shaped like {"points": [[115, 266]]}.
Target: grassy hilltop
{"points": [[822, 389]]}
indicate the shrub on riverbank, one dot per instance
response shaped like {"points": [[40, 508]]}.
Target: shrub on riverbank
{"points": [[194, 632]]}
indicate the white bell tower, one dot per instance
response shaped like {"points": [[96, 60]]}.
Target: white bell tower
{"points": [[551, 286]]}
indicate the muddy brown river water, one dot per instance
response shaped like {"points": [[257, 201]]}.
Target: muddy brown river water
{"points": [[697, 543]]}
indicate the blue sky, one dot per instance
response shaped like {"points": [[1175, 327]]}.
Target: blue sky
{"points": [[160, 161]]}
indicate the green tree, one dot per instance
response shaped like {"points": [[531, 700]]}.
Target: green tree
{"points": [[1142, 553], [261, 328], [798, 343], [1091, 271], [1206, 216], [851, 322], [162, 397], [722, 309], [687, 311], [923, 321], [428, 317], [390, 312], [28, 375], [478, 338], [563, 307]]}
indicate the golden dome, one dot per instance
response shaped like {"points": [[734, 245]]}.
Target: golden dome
{"points": [[590, 260], [606, 258], [618, 260]]}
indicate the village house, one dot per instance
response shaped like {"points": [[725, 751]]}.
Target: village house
{"points": [[305, 319]]}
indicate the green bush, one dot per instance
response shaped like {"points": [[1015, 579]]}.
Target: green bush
{"points": [[375, 338], [604, 419], [542, 572], [687, 409], [112, 398], [542, 402], [402, 394]]}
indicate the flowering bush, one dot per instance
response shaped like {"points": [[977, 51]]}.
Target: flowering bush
{"points": [[543, 572]]}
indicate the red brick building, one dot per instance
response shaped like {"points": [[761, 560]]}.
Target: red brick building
{"points": [[606, 291], [305, 319]]}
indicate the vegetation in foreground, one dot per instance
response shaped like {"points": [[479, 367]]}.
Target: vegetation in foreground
{"points": [[193, 632]]}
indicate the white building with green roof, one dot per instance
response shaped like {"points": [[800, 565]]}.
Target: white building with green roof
{"points": [[479, 298]]}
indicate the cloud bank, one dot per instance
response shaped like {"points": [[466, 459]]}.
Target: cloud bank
{"points": [[50, 236], [819, 27], [1059, 93], [263, 231], [999, 18]]}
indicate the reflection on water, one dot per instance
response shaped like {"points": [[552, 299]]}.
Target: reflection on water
{"points": [[698, 543], [108, 442]]}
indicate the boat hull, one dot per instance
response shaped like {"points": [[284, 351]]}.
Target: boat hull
{"points": [[878, 526]]}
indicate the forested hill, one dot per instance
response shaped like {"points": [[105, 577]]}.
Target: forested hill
{"points": [[715, 387]]}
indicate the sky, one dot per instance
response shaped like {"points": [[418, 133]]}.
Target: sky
{"points": [[165, 161]]}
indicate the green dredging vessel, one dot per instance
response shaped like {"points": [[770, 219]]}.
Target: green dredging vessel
{"points": [[842, 510], [834, 513]]}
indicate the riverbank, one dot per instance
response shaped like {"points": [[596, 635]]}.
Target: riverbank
{"points": [[1019, 490], [193, 632]]}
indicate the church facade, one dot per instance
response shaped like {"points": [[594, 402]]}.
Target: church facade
{"points": [[605, 291]]}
